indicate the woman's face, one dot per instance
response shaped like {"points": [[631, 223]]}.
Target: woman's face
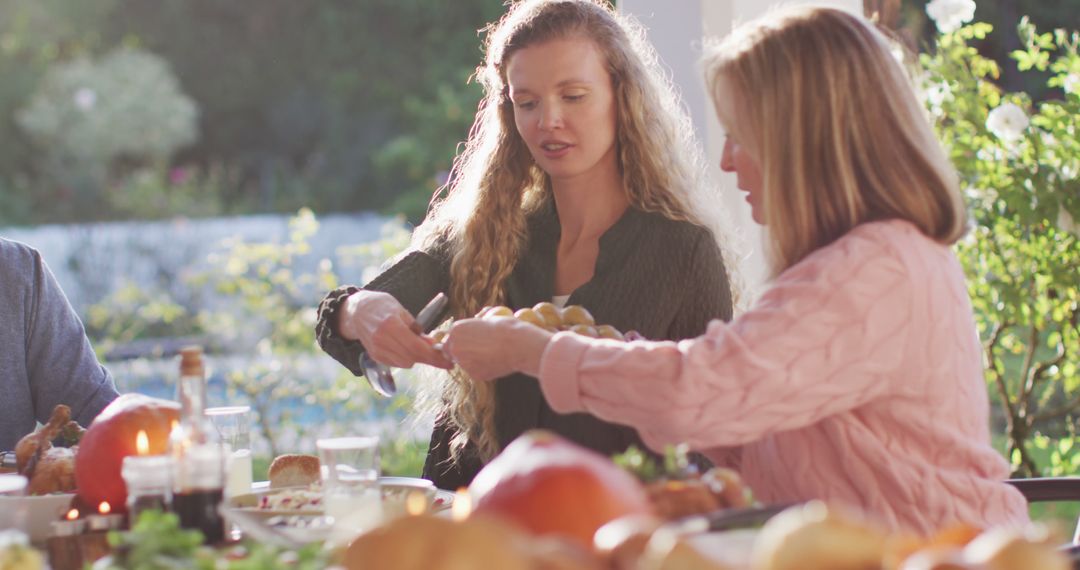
{"points": [[738, 158], [564, 107]]}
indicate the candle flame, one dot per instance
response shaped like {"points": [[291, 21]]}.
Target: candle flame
{"points": [[104, 508], [462, 505], [142, 443], [72, 514], [416, 503]]}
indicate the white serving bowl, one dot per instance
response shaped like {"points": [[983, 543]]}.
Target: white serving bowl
{"points": [[34, 514]]}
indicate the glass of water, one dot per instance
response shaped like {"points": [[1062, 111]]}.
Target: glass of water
{"points": [[350, 478], [233, 424]]}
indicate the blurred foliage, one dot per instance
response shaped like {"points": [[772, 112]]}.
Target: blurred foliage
{"points": [[156, 541], [154, 190], [255, 310], [131, 313], [337, 106], [89, 117], [1018, 162], [34, 35], [1003, 16], [331, 105]]}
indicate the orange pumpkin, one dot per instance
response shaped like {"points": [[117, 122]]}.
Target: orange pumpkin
{"points": [[550, 486], [111, 437]]}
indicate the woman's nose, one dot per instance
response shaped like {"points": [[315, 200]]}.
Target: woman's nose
{"points": [[727, 164], [550, 117]]}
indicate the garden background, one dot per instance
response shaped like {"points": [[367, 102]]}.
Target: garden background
{"points": [[204, 171]]}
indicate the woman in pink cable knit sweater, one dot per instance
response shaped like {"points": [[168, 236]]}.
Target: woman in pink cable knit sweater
{"points": [[857, 377]]}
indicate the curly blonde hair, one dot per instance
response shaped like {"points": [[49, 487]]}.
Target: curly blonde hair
{"points": [[495, 185]]}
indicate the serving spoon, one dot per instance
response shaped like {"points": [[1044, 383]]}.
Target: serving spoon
{"points": [[378, 374]]}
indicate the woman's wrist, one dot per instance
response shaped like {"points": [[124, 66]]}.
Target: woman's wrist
{"points": [[532, 343], [346, 315]]}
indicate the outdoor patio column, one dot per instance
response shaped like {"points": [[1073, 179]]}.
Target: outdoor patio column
{"points": [[678, 29]]}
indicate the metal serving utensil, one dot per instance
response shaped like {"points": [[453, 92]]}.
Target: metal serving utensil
{"points": [[727, 519], [7, 460], [379, 375], [256, 527]]}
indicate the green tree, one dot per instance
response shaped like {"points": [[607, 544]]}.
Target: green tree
{"points": [[330, 105], [35, 34], [1018, 163]]}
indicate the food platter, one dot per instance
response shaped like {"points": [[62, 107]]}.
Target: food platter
{"points": [[307, 500], [291, 516]]}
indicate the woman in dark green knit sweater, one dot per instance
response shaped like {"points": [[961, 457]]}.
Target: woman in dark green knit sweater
{"points": [[578, 184]]}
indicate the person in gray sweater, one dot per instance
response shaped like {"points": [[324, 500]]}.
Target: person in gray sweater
{"points": [[579, 185], [45, 357]]}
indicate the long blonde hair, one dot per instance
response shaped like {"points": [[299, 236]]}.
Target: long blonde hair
{"points": [[830, 113], [495, 185]]}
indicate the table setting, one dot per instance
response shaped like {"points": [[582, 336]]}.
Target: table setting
{"points": [[544, 502]]}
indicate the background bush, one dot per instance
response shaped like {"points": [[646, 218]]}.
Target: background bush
{"points": [[337, 106], [1018, 162]]}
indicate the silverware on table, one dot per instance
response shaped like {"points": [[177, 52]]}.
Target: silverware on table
{"points": [[379, 375], [255, 527], [727, 519], [7, 460]]}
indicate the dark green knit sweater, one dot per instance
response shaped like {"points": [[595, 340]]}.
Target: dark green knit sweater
{"points": [[663, 278]]}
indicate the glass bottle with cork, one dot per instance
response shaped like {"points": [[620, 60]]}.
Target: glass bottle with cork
{"points": [[198, 457]]}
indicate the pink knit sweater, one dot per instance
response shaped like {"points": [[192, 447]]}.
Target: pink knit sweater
{"points": [[856, 378]]}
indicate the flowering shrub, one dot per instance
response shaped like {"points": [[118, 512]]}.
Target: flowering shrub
{"points": [[87, 114], [1018, 163]]}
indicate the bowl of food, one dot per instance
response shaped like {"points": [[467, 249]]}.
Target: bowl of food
{"points": [[39, 504], [34, 514]]}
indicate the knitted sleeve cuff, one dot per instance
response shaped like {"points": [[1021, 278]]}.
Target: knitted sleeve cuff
{"points": [[347, 352], [559, 378]]}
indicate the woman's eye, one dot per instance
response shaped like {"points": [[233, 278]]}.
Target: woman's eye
{"points": [[576, 97], [525, 105]]}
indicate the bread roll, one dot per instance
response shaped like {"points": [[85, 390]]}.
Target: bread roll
{"points": [[291, 470]]}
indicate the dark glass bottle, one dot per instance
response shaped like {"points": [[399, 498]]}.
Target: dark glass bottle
{"points": [[198, 457]]}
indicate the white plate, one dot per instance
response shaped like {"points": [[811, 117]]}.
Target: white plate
{"points": [[732, 548], [34, 514], [394, 490]]}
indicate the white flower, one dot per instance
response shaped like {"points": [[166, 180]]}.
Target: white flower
{"points": [[935, 95], [85, 98], [1007, 122], [949, 15], [1065, 221], [1072, 83]]}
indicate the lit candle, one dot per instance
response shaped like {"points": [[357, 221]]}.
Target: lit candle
{"points": [[149, 483], [63, 545], [462, 506], [142, 443], [70, 525], [416, 503], [105, 520]]}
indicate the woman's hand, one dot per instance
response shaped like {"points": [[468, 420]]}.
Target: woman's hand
{"points": [[492, 348], [387, 330]]}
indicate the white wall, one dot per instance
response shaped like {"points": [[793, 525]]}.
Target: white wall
{"points": [[678, 29]]}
